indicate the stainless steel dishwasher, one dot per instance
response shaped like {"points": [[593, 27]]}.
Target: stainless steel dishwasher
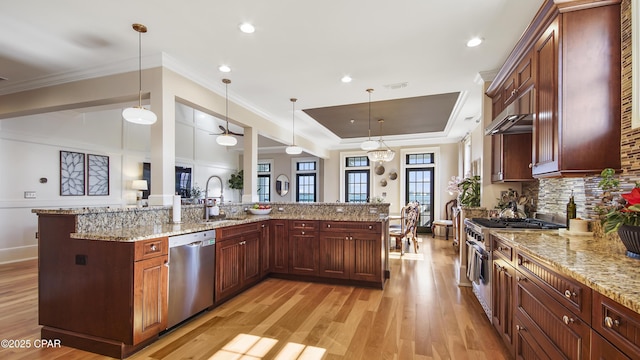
{"points": [[191, 274]]}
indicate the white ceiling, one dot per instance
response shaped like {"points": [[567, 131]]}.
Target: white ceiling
{"points": [[300, 49]]}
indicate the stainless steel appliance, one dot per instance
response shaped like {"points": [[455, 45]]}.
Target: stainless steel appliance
{"points": [[191, 274], [479, 252]]}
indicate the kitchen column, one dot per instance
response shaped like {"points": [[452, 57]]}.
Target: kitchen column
{"points": [[250, 165]]}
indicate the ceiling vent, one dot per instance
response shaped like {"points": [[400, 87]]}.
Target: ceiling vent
{"points": [[397, 86]]}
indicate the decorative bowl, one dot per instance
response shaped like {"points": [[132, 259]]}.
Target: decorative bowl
{"points": [[259, 211]]}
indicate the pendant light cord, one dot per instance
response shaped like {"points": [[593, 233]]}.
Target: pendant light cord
{"points": [[140, 69], [293, 121], [369, 91]]}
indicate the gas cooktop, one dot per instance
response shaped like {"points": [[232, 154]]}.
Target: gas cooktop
{"points": [[526, 223]]}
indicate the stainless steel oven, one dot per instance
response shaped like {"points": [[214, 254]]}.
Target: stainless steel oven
{"points": [[479, 253]]}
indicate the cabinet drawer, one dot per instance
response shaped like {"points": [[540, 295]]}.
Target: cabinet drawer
{"points": [[560, 332], [151, 248], [351, 226], [572, 295], [308, 225], [236, 230], [503, 249], [618, 324]]}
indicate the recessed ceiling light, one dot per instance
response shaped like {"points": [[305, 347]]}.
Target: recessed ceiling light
{"points": [[346, 79], [224, 68], [247, 28], [474, 42]]}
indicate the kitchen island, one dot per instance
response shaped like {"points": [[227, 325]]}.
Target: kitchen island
{"points": [[103, 271], [566, 296]]}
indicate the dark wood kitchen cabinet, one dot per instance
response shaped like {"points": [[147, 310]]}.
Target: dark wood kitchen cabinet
{"points": [[107, 297], [601, 349], [303, 247], [576, 129], [265, 248], [351, 250], [279, 247], [551, 309], [518, 85], [511, 157], [237, 259], [503, 298], [618, 324]]}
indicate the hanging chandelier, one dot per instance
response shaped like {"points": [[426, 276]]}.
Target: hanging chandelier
{"points": [[383, 153], [369, 144], [138, 114], [225, 139], [293, 149]]}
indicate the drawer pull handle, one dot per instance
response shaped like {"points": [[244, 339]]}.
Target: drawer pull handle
{"points": [[520, 328], [302, 232], [500, 248], [522, 278], [569, 294], [328, 225], [303, 224], [370, 227], [153, 247], [567, 320], [166, 263], [610, 323]]}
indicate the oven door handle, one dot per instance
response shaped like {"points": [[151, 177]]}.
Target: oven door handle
{"points": [[483, 254]]}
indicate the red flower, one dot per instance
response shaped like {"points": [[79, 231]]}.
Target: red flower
{"points": [[633, 197]]}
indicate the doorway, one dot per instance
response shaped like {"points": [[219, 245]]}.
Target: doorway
{"points": [[419, 187]]}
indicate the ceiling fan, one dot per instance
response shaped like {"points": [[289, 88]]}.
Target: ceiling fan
{"points": [[225, 131]]}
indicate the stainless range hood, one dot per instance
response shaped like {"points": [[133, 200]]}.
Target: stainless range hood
{"points": [[516, 118]]}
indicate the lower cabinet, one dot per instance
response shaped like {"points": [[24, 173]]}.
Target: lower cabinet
{"points": [[265, 249], [238, 256], [618, 324], [150, 304], [351, 250], [601, 349], [503, 295], [303, 247], [279, 247]]}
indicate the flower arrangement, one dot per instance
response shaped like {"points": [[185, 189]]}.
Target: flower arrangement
{"points": [[468, 190], [617, 210]]}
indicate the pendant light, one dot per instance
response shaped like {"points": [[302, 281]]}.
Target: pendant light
{"points": [[226, 139], [381, 155], [293, 149], [138, 114], [369, 144]]}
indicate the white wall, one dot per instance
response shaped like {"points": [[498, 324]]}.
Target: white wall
{"points": [[30, 149]]}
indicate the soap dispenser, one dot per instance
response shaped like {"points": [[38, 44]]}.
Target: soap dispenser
{"points": [[215, 209]]}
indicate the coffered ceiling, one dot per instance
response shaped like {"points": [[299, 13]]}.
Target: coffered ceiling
{"points": [[411, 52]]}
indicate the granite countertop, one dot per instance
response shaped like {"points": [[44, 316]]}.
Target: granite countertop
{"points": [[599, 263], [137, 233]]}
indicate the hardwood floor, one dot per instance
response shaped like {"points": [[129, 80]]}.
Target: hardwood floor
{"points": [[421, 314]]}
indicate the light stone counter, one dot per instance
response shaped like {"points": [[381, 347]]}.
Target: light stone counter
{"points": [[599, 263]]}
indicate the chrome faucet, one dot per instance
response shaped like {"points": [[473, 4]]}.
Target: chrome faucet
{"points": [[206, 195]]}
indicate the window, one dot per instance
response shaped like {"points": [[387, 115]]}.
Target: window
{"points": [[264, 182], [357, 179], [419, 185], [306, 184]]}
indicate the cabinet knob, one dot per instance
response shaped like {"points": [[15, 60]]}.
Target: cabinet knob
{"points": [[500, 248], [350, 237], [610, 323], [370, 227], [530, 165], [302, 232], [303, 224], [346, 238], [521, 279], [263, 225], [568, 294], [328, 225], [520, 328], [153, 247], [567, 320], [166, 263]]}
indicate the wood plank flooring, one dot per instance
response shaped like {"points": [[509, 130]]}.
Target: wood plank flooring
{"points": [[421, 314]]}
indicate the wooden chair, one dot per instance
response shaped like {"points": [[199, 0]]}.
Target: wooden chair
{"points": [[409, 216], [447, 222]]}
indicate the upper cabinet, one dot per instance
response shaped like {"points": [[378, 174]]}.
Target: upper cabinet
{"points": [[566, 70]]}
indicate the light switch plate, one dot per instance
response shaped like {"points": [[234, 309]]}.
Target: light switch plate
{"points": [[29, 194]]}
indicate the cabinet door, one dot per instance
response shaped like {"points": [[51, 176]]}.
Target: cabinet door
{"points": [[334, 255], [265, 249], [545, 123], [526, 347], [279, 246], [503, 301], [303, 252], [150, 298], [366, 257], [250, 252], [229, 267]]}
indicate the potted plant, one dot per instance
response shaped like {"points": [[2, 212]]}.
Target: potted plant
{"points": [[468, 190], [620, 213], [236, 181]]}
